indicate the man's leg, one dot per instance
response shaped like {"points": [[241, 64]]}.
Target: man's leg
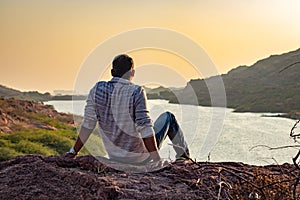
{"points": [[166, 124]]}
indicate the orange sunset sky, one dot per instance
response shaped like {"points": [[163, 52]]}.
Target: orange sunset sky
{"points": [[44, 43]]}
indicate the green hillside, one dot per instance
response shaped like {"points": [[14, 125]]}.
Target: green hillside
{"points": [[27, 127], [262, 87]]}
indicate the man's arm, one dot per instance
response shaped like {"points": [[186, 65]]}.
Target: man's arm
{"points": [[88, 124], [144, 124], [151, 146], [83, 136]]}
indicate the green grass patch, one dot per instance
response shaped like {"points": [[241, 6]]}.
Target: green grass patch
{"points": [[7, 153], [28, 147], [45, 142]]}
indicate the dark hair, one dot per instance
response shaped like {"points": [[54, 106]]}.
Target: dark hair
{"points": [[121, 64]]}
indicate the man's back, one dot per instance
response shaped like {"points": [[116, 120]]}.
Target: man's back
{"points": [[121, 112]]}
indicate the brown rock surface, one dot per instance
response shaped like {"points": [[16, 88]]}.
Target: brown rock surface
{"points": [[38, 177]]}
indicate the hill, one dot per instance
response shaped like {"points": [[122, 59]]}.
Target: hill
{"points": [[7, 93], [262, 87], [28, 127], [161, 92], [32, 95], [16, 115]]}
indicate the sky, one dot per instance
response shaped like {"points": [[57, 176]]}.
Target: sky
{"points": [[45, 43]]}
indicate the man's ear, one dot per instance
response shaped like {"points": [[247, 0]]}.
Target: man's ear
{"points": [[132, 72]]}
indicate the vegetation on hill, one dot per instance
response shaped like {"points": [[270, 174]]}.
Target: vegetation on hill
{"points": [[161, 93], [262, 87], [32, 95], [68, 97], [27, 127], [7, 93]]}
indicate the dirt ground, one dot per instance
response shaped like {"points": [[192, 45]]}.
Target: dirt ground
{"points": [[39, 177]]}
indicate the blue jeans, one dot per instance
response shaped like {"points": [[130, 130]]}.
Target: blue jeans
{"points": [[167, 125]]}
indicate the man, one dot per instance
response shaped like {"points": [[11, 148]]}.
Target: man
{"points": [[120, 108]]}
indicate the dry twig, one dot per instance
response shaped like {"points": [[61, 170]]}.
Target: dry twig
{"points": [[292, 133], [274, 148], [289, 66], [295, 136]]}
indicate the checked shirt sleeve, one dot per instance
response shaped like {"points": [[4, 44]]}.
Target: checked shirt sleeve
{"points": [[143, 121]]}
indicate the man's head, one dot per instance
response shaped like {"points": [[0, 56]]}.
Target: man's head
{"points": [[122, 66]]}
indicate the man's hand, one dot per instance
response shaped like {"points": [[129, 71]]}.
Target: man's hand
{"points": [[82, 137], [69, 155], [158, 164], [150, 144]]}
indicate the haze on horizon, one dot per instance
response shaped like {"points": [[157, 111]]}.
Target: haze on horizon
{"points": [[43, 44]]}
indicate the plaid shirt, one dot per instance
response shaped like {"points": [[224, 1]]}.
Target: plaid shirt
{"points": [[120, 107]]}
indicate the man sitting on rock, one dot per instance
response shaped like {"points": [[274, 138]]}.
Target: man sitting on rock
{"points": [[120, 108]]}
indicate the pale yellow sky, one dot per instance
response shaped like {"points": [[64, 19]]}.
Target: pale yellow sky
{"points": [[44, 43]]}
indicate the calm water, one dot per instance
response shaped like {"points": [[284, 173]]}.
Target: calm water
{"points": [[239, 132]]}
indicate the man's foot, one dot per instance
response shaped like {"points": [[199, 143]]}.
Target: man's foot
{"points": [[183, 157]]}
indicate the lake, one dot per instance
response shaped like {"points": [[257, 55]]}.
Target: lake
{"points": [[219, 134]]}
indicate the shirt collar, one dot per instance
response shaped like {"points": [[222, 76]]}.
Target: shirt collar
{"points": [[120, 80]]}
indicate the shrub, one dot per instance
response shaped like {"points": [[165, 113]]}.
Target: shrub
{"points": [[27, 147], [7, 153], [36, 141], [56, 142]]}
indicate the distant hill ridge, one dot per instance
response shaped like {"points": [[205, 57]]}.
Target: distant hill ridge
{"points": [[262, 87], [266, 86], [32, 95], [7, 93]]}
